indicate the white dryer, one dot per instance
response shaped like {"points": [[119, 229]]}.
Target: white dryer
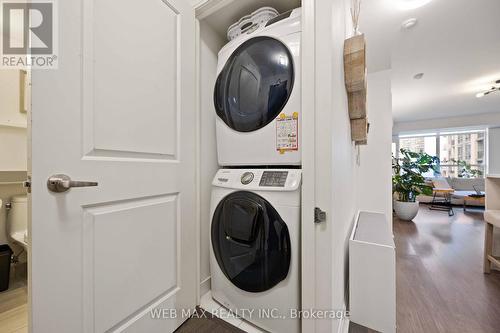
{"points": [[257, 95], [255, 245]]}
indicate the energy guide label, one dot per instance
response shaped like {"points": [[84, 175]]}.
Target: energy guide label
{"points": [[287, 127]]}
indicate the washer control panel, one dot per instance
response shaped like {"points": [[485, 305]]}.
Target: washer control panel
{"points": [[247, 178], [273, 178]]}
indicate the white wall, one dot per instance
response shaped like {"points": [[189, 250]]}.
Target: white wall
{"points": [[344, 171], [13, 135], [374, 174], [13, 147], [209, 48], [195, 3], [13, 143], [10, 103], [341, 186], [494, 150]]}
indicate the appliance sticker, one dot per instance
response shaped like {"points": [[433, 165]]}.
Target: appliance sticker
{"points": [[287, 132]]}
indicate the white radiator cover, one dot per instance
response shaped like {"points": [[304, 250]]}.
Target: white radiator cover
{"points": [[372, 273]]}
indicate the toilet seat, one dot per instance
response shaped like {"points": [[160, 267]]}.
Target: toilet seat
{"points": [[21, 238]]}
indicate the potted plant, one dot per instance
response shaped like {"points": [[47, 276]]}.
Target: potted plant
{"points": [[408, 181], [465, 170]]}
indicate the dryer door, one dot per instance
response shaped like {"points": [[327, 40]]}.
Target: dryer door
{"points": [[250, 242], [255, 84]]}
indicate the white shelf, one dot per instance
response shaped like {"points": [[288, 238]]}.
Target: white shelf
{"points": [[493, 176]]}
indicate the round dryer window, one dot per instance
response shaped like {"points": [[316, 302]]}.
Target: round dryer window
{"points": [[255, 84], [250, 241]]}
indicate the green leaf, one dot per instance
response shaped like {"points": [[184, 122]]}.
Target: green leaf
{"points": [[407, 180]]}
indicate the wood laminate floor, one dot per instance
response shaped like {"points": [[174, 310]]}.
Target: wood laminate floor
{"points": [[440, 282]]}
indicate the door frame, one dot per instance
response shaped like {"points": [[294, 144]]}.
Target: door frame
{"points": [[29, 174], [308, 230]]}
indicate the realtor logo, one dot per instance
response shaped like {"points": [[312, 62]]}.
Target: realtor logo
{"points": [[29, 34]]}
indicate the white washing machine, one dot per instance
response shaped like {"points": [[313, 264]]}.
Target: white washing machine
{"points": [[255, 245], [257, 95]]}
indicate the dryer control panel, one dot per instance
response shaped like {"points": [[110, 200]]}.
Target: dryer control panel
{"points": [[259, 179], [273, 178]]}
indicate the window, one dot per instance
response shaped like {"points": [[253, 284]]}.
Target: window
{"points": [[460, 153], [462, 149], [420, 144]]}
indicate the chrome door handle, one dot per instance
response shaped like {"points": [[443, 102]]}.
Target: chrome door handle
{"points": [[62, 183]]}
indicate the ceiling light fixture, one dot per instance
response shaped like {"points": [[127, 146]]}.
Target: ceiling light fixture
{"points": [[411, 4], [494, 88], [418, 76], [409, 23]]}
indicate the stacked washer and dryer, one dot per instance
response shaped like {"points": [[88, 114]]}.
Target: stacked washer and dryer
{"points": [[255, 203]]}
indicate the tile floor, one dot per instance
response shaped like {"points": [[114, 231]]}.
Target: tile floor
{"points": [[13, 304]]}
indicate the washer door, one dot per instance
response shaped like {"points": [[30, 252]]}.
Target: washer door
{"points": [[255, 84], [250, 241]]}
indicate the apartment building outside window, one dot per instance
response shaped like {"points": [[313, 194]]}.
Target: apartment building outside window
{"points": [[456, 151]]}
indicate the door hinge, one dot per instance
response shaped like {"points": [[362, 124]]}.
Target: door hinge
{"points": [[27, 184], [319, 215]]}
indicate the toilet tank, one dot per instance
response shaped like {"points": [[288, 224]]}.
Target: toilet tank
{"points": [[17, 217]]}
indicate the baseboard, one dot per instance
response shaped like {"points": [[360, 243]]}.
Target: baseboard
{"points": [[343, 325], [205, 286]]}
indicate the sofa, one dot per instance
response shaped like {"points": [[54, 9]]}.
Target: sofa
{"points": [[462, 186]]}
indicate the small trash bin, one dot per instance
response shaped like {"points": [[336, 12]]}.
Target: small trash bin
{"points": [[5, 255]]}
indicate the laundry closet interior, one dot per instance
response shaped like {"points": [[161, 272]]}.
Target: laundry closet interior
{"points": [[255, 158]]}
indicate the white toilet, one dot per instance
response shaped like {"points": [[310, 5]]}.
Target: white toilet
{"points": [[17, 220]]}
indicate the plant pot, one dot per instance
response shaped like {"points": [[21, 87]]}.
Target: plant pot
{"points": [[406, 211]]}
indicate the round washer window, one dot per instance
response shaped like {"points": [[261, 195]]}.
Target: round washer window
{"points": [[250, 241], [255, 84]]}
